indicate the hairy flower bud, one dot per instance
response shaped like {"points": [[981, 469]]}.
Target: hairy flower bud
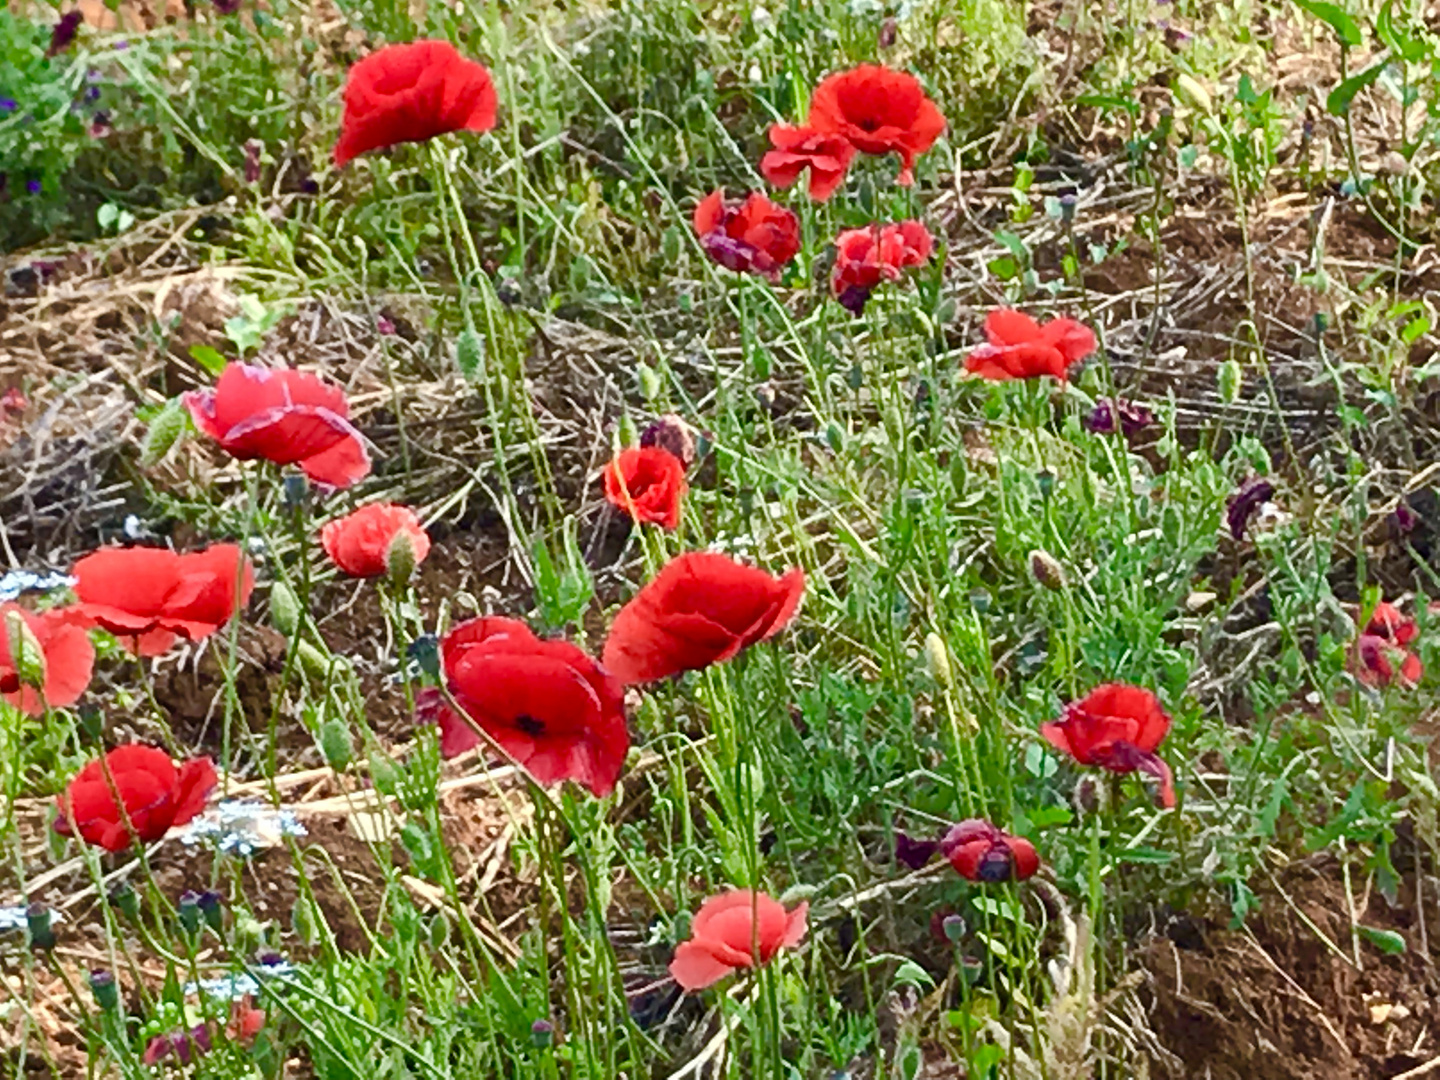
{"points": [[25, 651]]}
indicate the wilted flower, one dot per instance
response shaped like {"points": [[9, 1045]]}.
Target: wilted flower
{"points": [[63, 36], [185, 1046], [756, 237], [252, 154], [1047, 570], [912, 853], [1382, 652], [1251, 495], [1117, 727], [671, 433], [1117, 414], [979, 851]]}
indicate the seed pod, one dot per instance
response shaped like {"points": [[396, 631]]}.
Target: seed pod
{"points": [[1229, 380], [107, 994], [335, 743]]}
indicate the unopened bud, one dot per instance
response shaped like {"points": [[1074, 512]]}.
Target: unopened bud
{"points": [[425, 652], [25, 651], [284, 609], [1089, 795], [295, 491], [335, 743], [937, 659], [1047, 570], [1229, 379], [164, 432], [542, 1034], [888, 32], [400, 561], [312, 661], [649, 380]]}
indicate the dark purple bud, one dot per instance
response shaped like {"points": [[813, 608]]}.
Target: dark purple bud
{"points": [[34, 187], [671, 433], [542, 1034], [384, 326], [1252, 494], [8, 105], [889, 30], [310, 186], [914, 853], [227, 7], [63, 36], [252, 161]]}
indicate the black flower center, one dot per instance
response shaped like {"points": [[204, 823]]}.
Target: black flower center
{"points": [[996, 865], [529, 725]]}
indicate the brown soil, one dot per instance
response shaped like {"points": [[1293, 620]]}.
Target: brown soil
{"points": [[1274, 1001]]}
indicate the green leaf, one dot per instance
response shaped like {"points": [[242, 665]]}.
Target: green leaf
{"points": [[209, 359], [1338, 103], [165, 430], [1410, 48], [1387, 941], [1347, 30], [1003, 268], [912, 974]]}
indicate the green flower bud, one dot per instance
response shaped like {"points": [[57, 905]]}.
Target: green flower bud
{"points": [[937, 659], [335, 743], [284, 609], [1230, 380], [469, 354], [400, 561], [25, 651], [164, 432]]}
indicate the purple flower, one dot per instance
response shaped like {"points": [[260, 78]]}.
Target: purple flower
{"points": [[92, 93], [8, 105], [384, 325], [853, 299], [1109, 415], [1251, 495], [183, 1045], [33, 186], [914, 853], [227, 7], [63, 36]]}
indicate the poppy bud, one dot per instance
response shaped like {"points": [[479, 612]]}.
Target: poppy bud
{"points": [[953, 927], [937, 659], [542, 1034], [26, 652], [124, 898], [107, 994], [38, 922], [400, 559], [888, 32], [649, 380], [1047, 570], [507, 291], [312, 661], [469, 354], [1229, 380], [335, 743], [284, 609], [671, 433], [189, 909]]}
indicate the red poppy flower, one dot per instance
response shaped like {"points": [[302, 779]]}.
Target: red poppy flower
{"points": [[757, 237], [359, 543], [1381, 652], [410, 93], [825, 154], [701, 609], [1117, 727], [546, 703], [1020, 348], [147, 597], [65, 659], [879, 111], [288, 417], [737, 929], [155, 795], [866, 257], [981, 852], [648, 484]]}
